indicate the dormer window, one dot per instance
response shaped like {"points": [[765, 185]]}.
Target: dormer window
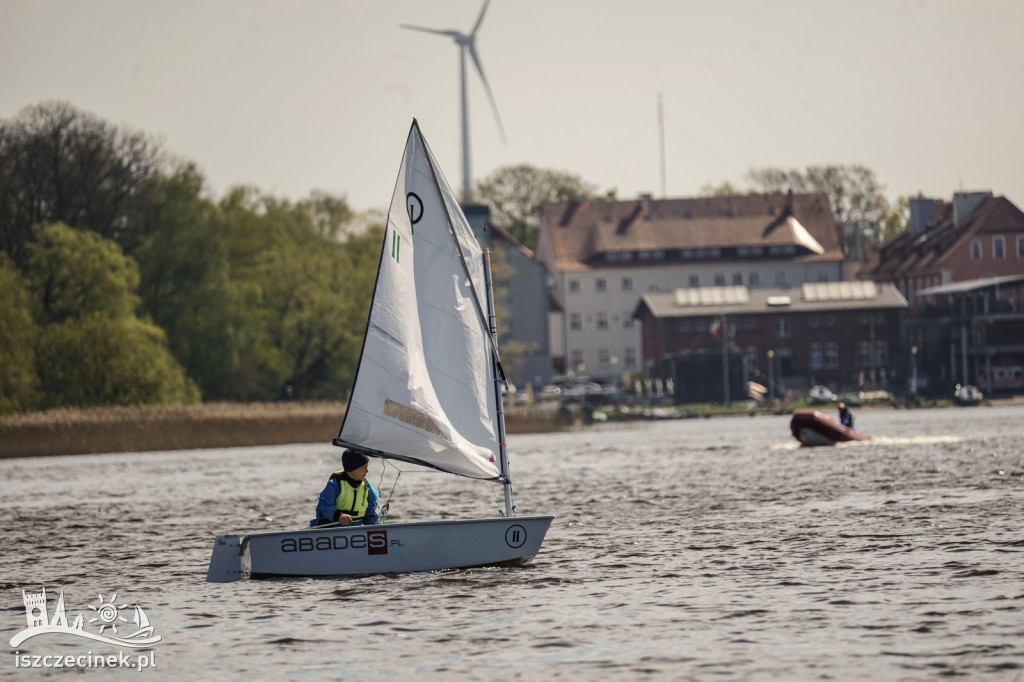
{"points": [[998, 247]]}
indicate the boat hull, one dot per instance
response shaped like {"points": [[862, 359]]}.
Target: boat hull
{"points": [[370, 550], [813, 428]]}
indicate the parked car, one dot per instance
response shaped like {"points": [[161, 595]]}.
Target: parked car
{"points": [[967, 395], [822, 394]]}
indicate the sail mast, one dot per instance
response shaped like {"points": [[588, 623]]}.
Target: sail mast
{"points": [[502, 448]]}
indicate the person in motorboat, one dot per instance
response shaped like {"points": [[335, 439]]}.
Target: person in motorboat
{"points": [[348, 498], [845, 416]]}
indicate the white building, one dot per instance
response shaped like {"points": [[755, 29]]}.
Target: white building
{"points": [[603, 255]]}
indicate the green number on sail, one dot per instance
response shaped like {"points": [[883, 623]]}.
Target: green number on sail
{"points": [[396, 240]]}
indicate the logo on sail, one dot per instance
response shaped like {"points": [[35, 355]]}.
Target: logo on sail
{"points": [[415, 207], [106, 615]]}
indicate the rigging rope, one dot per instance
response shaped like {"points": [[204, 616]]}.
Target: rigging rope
{"points": [[383, 515]]}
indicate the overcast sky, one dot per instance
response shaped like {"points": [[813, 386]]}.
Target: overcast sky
{"points": [[300, 95]]}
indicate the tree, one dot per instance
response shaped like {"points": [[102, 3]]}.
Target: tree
{"points": [[515, 195], [58, 164], [99, 359], [330, 215], [858, 203], [19, 383], [853, 191], [76, 273], [92, 349], [186, 285], [726, 189], [897, 219], [304, 296]]}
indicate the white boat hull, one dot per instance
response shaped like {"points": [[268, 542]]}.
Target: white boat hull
{"points": [[387, 548]]}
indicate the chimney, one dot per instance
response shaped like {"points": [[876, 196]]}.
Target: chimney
{"points": [[922, 212], [964, 204]]}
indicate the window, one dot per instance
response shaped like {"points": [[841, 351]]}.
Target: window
{"points": [[754, 279], [831, 356], [998, 247], [574, 285], [694, 281], [750, 323], [881, 353], [814, 321], [684, 326], [600, 284], [737, 278], [780, 278], [830, 320], [782, 328], [628, 321], [817, 361], [577, 358], [627, 284], [602, 320], [630, 357], [720, 280], [603, 357], [1020, 246], [574, 322], [975, 250], [864, 354]]}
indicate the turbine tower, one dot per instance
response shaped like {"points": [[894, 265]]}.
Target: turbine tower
{"points": [[467, 45]]}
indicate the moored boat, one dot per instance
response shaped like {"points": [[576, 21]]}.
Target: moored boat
{"points": [[811, 427]]}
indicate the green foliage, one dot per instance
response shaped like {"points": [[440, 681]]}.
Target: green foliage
{"points": [[97, 359], [185, 285], [75, 273], [92, 349], [135, 286], [726, 189], [58, 164], [19, 383], [897, 219], [515, 195], [304, 295]]}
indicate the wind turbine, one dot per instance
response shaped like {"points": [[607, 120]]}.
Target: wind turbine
{"points": [[467, 45]]}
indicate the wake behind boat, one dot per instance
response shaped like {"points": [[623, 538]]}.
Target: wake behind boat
{"points": [[427, 391], [811, 427]]}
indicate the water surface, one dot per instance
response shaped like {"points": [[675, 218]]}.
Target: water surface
{"points": [[693, 549]]}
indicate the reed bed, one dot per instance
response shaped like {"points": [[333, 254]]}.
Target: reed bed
{"points": [[186, 427]]}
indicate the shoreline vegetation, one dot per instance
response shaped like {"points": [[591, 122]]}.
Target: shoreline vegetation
{"points": [[231, 425], [187, 427]]}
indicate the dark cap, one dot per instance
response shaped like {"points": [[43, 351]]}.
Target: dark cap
{"points": [[352, 460]]}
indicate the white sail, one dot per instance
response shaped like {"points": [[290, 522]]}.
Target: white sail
{"points": [[425, 387]]}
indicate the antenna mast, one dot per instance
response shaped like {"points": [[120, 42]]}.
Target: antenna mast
{"points": [[661, 139]]}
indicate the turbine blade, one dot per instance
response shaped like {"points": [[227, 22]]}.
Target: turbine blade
{"points": [[479, 19], [451, 34], [487, 89]]}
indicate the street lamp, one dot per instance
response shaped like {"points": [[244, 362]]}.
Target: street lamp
{"points": [[771, 374]]}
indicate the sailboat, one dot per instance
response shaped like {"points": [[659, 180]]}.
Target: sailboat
{"points": [[427, 391]]}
